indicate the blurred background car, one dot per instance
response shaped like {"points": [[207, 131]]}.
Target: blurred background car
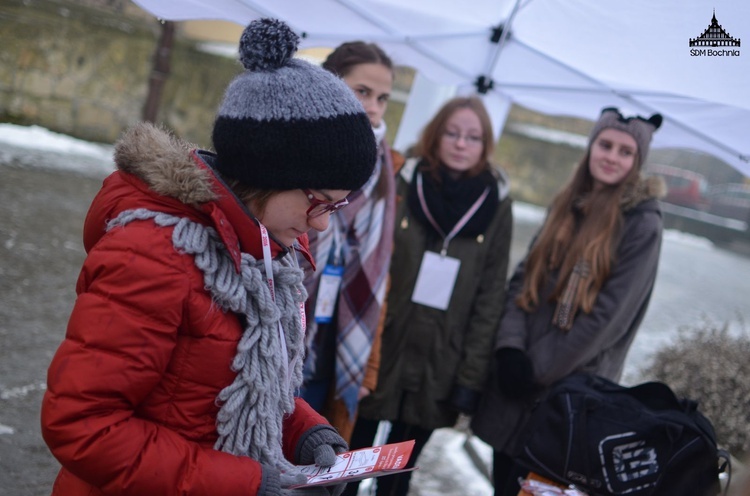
{"points": [[685, 188]]}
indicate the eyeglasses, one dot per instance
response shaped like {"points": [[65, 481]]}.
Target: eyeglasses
{"points": [[319, 207], [469, 139]]}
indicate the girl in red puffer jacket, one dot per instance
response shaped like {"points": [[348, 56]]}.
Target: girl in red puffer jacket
{"points": [[185, 346]]}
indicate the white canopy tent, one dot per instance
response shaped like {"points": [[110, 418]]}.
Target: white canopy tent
{"points": [[559, 57]]}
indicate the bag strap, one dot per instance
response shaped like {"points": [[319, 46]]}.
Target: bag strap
{"points": [[725, 467], [660, 397]]}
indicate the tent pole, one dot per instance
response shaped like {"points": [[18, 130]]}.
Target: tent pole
{"points": [[503, 38]]}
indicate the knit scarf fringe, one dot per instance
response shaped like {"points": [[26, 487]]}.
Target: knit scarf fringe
{"points": [[568, 304], [249, 421]]}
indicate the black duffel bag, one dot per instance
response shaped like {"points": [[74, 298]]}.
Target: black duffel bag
{"points": [[607, 439]]}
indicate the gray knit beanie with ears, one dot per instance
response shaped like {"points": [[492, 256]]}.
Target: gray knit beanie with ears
{"points": [[640, 128], [287, 124]]}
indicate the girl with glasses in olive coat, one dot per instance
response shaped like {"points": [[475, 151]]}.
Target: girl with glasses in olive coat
{"points": [[448, 273]]}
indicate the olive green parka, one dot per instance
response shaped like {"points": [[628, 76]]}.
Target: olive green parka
{"points": [[426, 351]]}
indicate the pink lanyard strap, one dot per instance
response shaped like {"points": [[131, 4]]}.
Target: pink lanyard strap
{"points": [[267, 259], [461, 222]]}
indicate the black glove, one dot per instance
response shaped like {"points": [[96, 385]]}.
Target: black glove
{"points": [[464, 400], [515, 373]]}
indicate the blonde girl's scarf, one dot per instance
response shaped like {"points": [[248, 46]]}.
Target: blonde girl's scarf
{"points": [[252, 409], [367, 230], [567, 305]]}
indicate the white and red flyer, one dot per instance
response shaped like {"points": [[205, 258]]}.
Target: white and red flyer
{"points": [[361, 464]]}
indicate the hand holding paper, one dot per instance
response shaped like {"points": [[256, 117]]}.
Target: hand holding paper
{"points": [[360, 464]]}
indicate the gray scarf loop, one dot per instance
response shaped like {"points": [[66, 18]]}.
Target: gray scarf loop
{"points": [[249, 421]]}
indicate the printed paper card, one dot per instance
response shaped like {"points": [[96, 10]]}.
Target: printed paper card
{"points": [[361, 464]]}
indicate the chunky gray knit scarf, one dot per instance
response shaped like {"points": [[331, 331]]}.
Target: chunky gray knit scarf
{"points": [[249, 421]]}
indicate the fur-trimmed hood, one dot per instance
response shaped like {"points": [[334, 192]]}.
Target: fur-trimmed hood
{"points": [[163, 162], [647, 188]]}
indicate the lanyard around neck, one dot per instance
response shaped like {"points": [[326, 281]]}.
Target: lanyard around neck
{"points": [[461, 222], [267, 261], [337, 226]]}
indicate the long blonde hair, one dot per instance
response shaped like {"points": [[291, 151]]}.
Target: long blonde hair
{"points": [[579, 236]]}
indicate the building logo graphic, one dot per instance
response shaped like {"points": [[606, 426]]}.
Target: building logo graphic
{"points": [[714, 42]]}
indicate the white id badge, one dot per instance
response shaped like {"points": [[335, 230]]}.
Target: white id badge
{"points": [[435, 281], [328, 293]]}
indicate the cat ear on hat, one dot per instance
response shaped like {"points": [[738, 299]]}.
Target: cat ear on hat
{"points": [[655, 120]]}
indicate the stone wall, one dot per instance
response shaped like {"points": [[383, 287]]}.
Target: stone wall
{"points": [[84, 71]]}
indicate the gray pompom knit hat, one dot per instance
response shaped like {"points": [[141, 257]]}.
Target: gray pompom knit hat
{"points": [[640, 128], [286, 124]]}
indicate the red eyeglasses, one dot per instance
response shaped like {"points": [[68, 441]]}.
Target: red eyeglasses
{"points": [[319, 207]]}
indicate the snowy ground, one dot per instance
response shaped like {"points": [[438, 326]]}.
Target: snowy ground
{"points": [[696, 281]]}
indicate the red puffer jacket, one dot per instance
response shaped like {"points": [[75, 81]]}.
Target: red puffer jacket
{"points": [[131, 401]]}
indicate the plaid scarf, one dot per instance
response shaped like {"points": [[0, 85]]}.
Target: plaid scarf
{"points": [[366, 227]]}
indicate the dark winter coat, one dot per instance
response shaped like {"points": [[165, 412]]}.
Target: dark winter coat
{"points": [[425, 352], [131, 401], [598, 342]]}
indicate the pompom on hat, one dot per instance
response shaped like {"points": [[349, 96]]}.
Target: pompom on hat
{"points": [[286, 124], [640, 128]]}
